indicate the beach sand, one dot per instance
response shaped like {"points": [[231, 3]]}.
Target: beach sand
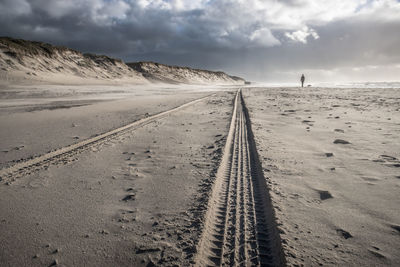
{"points": [[296, 176], [130, 201], [38, 119], [331, 158]]}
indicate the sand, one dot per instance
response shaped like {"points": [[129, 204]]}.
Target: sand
{"points": [[240, 226], [38, 119], [331, 158], [273, 176], [131, 200]]}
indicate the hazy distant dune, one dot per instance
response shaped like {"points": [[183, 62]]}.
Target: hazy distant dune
{"points": [[176, 74]]}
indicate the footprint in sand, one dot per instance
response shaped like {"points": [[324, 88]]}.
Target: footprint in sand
{"points": [[376, 253], [339, 130], [389, 158], [129, 197], [344, 233], [396, 227], [309, 122], [396, 165], [341, 141], [389, 161], [369, 179], [54, 263], [324, 195]]}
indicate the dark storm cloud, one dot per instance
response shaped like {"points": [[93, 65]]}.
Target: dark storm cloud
{"points": [[262, 40]]}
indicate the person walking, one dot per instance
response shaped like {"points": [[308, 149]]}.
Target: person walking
{"points": [[302, 79]]}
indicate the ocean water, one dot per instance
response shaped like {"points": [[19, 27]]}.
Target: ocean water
{"points": [[360, 85], [335, 85]]}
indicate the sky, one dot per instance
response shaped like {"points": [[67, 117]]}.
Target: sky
{"points": [[267, 41]]}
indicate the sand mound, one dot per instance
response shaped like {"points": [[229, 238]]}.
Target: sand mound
{"points": [[175, 74], [24, 61]]}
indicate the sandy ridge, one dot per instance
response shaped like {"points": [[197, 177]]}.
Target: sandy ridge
{"points": [[175, 74], [239, 225], [23, 61], [9, 174]]}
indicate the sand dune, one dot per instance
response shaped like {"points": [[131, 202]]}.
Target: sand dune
{"points": [[27, 62], [175, 74]]}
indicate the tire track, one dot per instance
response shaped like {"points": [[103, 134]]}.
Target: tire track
{"points": [[62, 155], [240, 227]]}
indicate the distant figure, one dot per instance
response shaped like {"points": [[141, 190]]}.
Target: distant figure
{"points": [[302, 79]]}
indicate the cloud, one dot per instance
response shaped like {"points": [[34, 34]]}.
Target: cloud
{"points": [[111, 10], [302, 35], [264, 38], [99, 12], [14, 8], [248, 37]]}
